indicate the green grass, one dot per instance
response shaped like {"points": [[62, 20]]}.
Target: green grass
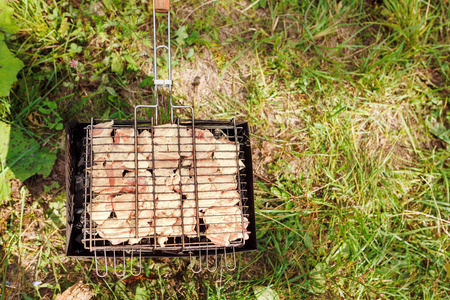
{"points": [[348, 108]]}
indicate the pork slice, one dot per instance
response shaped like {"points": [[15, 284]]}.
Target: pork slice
{"points": [[115, 177], [161, 176], [222, 214], [130, 164], [168, 204], [124, 136], [99, 178], [146, 211], [116, 231], [224, 182], [208, 199], [229, 166], [145, 182], [225, 224], [205, 167], [164, 228], [226, 149], [166, 142], [173, 180], [102, 129], [145, 229], [219, 234], [146, 193], [145, 143], [120, 152], [189, 218], [166, 130], [101, 148], [204, 140], [237, 234], [228, 198], [124, 206], [186, 145], [204, 146], [103, 179], [101, 208]]}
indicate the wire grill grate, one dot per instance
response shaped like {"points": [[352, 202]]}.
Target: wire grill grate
{"points": [[189, 192]]}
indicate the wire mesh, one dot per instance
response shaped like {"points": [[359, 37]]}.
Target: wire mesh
{"points": [[168, 187]]}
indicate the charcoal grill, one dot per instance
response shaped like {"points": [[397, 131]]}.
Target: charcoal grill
{"points": [[125, 207]]}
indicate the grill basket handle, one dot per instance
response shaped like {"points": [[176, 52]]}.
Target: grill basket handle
{"points": [[162, 6]]}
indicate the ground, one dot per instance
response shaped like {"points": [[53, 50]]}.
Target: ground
{"points": [[347, 103]]}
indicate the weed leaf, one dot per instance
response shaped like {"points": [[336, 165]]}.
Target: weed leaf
{"points": [[5, 190], [265, 293], [22, 156], [6, 22], [116, 64], [9, 67]]}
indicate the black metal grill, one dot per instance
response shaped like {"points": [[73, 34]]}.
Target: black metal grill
{"points": [[183, 198]]}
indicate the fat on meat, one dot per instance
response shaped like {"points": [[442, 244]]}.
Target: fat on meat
{"points": [[102, 129], [116, 231]]}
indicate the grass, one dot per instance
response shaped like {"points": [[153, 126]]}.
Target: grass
{"points": [[348, 107]]}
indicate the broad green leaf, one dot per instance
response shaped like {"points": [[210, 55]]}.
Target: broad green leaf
{"points": [[441, 132], [318, 285], [74, 48], [6, 22], [64, 28], [111, 90], [9, 67], [116, 63], [141, 293], [5, 190], [265, 293], [22, 156], [181, 35], [190, 53], [132, 65]]}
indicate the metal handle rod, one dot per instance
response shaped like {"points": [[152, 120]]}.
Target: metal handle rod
{"points": [[155, 48], [140, 263], [164, 6], [199, 263], [115, 264], [96, 265], [226, 262], [215, 260]]}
